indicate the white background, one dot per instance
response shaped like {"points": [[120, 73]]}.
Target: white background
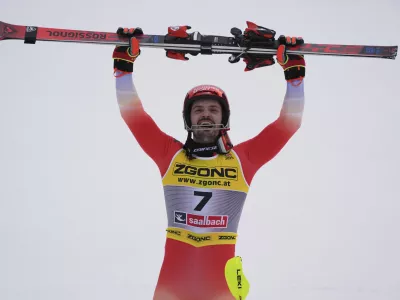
{"points": [[81, 206]]}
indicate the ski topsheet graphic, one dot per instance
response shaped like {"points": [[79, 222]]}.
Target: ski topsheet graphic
{"points": [[178, 42]]}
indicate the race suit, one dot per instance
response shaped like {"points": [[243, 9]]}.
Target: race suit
{"points": [[204, 197]]}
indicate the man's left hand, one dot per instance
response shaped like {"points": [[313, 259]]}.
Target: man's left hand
{"points": [[294, 66]]}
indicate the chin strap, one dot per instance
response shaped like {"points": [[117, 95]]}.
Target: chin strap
{"points": [[221, 146], [224, 142]]}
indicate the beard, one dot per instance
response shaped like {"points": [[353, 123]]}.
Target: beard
{"points": [[205, 136]]}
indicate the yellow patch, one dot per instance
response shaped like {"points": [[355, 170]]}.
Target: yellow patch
{"points": [[220, 172], [201, 239]]}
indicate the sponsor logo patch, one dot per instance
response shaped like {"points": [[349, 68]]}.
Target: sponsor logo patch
{"points": [[219, 221]]}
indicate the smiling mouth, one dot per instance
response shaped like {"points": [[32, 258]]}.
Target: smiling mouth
{"points": [[206, 124]]}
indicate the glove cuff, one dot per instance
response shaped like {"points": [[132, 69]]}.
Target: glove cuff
{"points": [[123, 65], [295, 72]]}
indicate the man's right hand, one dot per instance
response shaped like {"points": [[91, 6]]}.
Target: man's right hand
{"points": [[125, 56]]}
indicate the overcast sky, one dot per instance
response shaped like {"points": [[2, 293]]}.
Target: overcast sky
{"points": [[79, 197]]}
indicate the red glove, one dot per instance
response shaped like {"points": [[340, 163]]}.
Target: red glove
{"points": [[294, 66], [125, 56]]}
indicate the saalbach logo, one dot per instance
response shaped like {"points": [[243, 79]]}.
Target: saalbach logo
{"points": [[215, 221]]}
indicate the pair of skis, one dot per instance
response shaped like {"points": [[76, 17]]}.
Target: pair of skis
{"points": [[178, 42]]}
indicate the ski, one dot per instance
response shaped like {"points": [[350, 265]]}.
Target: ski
{"points": [[177, 40]]}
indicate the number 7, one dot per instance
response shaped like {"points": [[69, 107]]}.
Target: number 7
{"points": [[206, 197]]}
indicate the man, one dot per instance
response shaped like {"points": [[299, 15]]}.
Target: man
{"points": [[206, 179]]}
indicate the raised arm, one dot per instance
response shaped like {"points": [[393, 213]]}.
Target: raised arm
{"points": [[157, 144], [263, 147], [269, 142]]}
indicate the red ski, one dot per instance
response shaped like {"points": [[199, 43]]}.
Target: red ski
{"points": [[194, 43]]}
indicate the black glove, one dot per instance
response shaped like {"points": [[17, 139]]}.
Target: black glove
{"points": [[125, 56]]}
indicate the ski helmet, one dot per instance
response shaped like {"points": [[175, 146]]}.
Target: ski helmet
{"points": [[205, 92]]}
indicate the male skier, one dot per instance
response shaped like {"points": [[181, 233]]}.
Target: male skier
{"points": [[206, 179]]}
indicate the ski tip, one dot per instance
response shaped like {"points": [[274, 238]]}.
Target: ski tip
{"points": [[6, 30], [2, 30], [392, 53], [395, 51]]}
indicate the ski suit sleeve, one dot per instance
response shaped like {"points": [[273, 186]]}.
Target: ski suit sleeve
{"points": [[155, 143], [268, 143]]}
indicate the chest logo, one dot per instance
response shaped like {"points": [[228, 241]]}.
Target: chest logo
{"points": [[205, 172]]}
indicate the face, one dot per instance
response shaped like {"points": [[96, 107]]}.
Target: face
{"points": [[206, 112]]}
